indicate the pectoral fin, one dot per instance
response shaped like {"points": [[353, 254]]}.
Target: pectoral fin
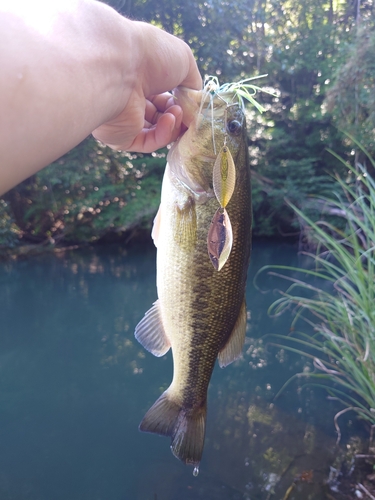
{"points": [[233, 348], [156, 228], [185, 225], [150, 332]]}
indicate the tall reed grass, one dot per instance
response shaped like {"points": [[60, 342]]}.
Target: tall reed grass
{"points": [[339, 300]]}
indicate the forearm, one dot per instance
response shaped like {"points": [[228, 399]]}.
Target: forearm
{"points": [[69, 70]]}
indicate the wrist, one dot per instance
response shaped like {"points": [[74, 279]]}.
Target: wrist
{"points": [[118, 54], [166, 61]]}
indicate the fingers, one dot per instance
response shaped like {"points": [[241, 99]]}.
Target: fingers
{"points": [[163, 132], [193, 79], [151, 119], [161, 125], [174, 65], [158, 105]]}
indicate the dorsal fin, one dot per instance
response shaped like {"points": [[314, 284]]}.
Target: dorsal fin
{"points": [[233, 348]]}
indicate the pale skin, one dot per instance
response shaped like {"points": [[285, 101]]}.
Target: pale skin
{"points": [[70, 68]]}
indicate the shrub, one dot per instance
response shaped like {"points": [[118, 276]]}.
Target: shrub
{"points": [[339, 301]]}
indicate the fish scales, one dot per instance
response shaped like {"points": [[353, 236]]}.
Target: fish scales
{"points": [[200, 311]]}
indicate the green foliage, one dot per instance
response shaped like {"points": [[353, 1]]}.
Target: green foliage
{"points": [[351, 99], [339, 304], [298, 47], [302, 47], [8, 229], [290, 161], [210, 28], [87, 194], [293, 180]]}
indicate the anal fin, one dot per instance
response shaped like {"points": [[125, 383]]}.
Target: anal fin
{"points": [[233, 348], [150, 332]]}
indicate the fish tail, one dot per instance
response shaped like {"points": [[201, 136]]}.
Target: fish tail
{"points": [[185, 426]]}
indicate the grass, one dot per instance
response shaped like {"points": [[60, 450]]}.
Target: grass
{"points": [[339, 300]]}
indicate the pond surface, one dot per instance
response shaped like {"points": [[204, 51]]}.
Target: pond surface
{"points": [[74, 385]]}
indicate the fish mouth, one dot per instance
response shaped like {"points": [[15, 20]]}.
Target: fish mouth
{"points": [[196, 102], [189, 101]]}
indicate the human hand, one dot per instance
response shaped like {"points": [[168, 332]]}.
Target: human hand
{"points": [[150, 118], [83, 67], [161, 125]]}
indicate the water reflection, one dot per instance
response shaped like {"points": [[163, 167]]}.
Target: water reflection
{"points": [[75, 385]]}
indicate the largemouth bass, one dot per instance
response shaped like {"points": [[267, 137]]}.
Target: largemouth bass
{"points": [[200, 312]]}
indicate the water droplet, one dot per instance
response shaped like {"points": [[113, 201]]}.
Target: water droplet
{"points": [[196, 471]]}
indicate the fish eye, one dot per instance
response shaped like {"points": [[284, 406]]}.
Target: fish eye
{"points": [[234, 127]]}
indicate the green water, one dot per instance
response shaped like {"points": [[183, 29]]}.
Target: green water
{"points": [[74, 385]]}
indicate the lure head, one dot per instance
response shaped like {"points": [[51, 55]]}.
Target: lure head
{"points": [[213, 120]]}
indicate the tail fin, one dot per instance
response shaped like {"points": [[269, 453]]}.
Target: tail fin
{"points": [[186, 427]]}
